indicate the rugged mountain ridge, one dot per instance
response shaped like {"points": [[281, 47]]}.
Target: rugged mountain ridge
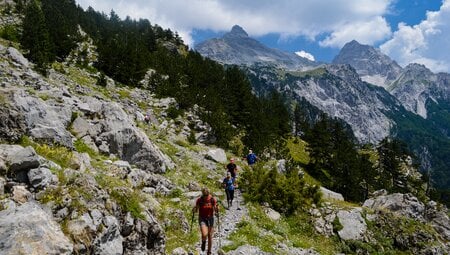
{"points": [[398, 107], [237, 48], [373, 66], [338, 91]]}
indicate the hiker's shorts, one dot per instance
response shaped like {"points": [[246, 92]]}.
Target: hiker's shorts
{"points": [[209, 222]]}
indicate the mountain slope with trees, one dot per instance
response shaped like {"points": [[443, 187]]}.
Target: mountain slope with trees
{"points": [[78, 154]]}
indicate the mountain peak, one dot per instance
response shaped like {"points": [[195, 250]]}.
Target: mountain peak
{"points": [[352, 45], [238, 31], [371, 64]]}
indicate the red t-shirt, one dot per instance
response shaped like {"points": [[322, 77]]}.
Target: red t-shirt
{"points": [[206, 206]]}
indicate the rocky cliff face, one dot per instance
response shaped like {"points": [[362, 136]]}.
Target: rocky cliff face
{"points": [[236, 47], [338, 91], [415, 86], [38, 193]]}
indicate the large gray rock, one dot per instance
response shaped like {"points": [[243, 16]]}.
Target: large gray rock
{"points": [[147, 238], [354, 225], [12, 123], [120, 136], [28, 229], [403, 204], [20, 161], [40, 177], [17, 57], [272, 214], [45, 121], [439, 219], [331, 195], [218, 155], [109, 242]]}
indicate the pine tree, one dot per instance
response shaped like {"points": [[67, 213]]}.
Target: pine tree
{"points": [[35, 37]]}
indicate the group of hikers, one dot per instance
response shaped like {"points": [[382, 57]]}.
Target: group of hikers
{"points": [[207, 206]]}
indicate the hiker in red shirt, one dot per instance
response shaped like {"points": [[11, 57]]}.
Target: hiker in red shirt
{"points": [[206, 205]]}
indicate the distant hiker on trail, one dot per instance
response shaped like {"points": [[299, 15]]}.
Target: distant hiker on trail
{"points": [[229, 184], [251, 158], [147, 118], [232, 168], [206, 205]]}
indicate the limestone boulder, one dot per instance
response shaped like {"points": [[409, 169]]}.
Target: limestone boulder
{"points": [[28, 229], [217, 155], [353, 224], [403, 204], [331, 195], [45, 121]]}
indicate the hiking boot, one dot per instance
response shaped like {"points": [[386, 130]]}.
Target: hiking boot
{"points": [[203, 245]]}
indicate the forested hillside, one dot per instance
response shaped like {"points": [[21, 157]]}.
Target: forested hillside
{"points": [[128, 48], [109, 145]]}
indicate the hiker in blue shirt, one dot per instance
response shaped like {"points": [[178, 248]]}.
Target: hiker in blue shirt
{"points": [[229, 184], [251, 158]]}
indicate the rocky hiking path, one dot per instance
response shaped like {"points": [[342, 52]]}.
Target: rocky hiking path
{"points": [[229, 218]]}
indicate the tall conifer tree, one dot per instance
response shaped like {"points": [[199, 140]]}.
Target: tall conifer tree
{"points": [[35, 37]]}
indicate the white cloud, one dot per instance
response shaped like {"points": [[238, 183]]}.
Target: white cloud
{"points": [[425, 43], [308, 18], [365, 32], [305, 54]]}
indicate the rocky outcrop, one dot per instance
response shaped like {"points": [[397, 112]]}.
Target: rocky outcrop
{"points": [[403, 204], [353, 225], [409, 206], [12, 123], [217, 155], [331, 195], [28, 229], [44, 122], [107, 128], [19, 161]]}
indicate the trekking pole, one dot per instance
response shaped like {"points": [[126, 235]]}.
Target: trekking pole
{"points": [[218, 223]]}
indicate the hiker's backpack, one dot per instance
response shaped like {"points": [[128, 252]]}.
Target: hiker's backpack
{"points": [[229, 183], [206, 206]]}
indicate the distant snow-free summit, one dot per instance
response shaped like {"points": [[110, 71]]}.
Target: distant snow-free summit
{"points": [[237, 48]]}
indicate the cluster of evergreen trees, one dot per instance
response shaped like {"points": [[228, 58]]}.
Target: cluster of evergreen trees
{"points": [[341, 165], [128, 49]]}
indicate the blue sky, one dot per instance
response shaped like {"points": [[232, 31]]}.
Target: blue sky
{"points": [[406, 30]]}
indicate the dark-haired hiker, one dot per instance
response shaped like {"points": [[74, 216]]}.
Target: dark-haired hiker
{"points": [[206, 205], [229, 184], [232, 168]]}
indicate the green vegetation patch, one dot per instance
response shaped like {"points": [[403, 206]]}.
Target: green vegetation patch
{"points": [[297, 149], [295, 230], [128, 199], [175, 216], [58, 154]]}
